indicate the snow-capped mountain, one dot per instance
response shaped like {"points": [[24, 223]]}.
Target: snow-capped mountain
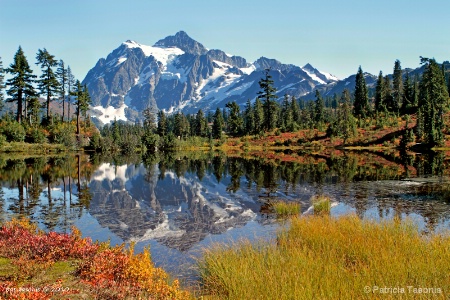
{"points": [[178, 73]]}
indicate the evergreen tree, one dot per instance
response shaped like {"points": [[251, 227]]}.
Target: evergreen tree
{"points": [[34, 110], [218, 124], [70, 86], [397, 88], [2, 84], [61, 74], [345, 123], [21, 84], [415, 91], [249, 118], [319, 109], [48, 83], [258, 113], [85, 105], [162, 124], [235, 122], [348, 122], [407, 94], [286, 116], [295, 109], [270, 106], [310, 110], [387, 92], [380, 96], [201, 125], [361, 104], [433, 101], [82, 103], [149, 120], [115, 130], [335, 101], [181, 125]]}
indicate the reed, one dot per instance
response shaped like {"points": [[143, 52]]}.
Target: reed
{"points": [[332, 258], [321, 205], [286, 209]]}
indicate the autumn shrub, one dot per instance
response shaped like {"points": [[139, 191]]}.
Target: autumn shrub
{"points": [[36, 135], [63, 133], [13, 131], [21, 239], [106, 272], [116, 273]]}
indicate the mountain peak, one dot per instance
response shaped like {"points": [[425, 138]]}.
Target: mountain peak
{"points": [[183, 41]]}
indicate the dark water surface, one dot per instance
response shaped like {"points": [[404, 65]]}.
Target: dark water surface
{"points": [[181, 203]]}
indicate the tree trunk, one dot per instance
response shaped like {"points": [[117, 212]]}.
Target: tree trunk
{"points": [[78, 122], [19, 106]]}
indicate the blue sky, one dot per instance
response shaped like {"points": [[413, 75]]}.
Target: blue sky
{"points": [[334, 36]]}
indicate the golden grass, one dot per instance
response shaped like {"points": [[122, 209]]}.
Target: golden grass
{"points": [[286, 209], [329, 258], [321, 205]]}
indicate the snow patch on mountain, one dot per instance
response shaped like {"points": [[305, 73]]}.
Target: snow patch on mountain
{"points": [[314, 77], [109, 114], [163, 55]]}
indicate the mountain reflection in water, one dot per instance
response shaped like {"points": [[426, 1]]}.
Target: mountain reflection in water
{"points": [[182, 201]]}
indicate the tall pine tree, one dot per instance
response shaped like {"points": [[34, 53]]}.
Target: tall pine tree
{"points": [[258, 113], [407, 94], [61, 74], [319, 109], [295, 108], [201, 125], [286, 117], [70, 86], [249, 118], [347, 122], [380, 96], [162, 124], [397, 87], [361, 105], [48, 83], [21, 84], [433, 101], [2, 84], [235, 122], [270, 106], [218, 124]]}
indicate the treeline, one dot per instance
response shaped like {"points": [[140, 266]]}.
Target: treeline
{"points": [[424, 98], [33, 121]]}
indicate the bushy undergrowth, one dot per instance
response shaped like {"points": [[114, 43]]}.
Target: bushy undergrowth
{"points": [[329, 258], [102, 271], [13, 131]]}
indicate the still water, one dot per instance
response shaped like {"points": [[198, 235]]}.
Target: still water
{"points": [[181, 203]]}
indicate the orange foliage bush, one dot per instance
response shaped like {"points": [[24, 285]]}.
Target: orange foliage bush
{"points": [[110, 272]]}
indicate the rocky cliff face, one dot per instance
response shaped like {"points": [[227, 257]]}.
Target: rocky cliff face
{"points": [[180, 74]]}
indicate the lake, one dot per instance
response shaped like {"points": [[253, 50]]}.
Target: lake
{"points": [[182, 202]]}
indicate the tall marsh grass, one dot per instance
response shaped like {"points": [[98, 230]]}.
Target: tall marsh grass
{"points": [[286, 209], [329, 258], [321, 205]]}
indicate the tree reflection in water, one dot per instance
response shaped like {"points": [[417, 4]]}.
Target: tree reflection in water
{"points": [[180, 198]]}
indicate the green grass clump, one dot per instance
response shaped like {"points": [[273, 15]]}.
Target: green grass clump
{"points": [[286, 209], [330, 258], [321, 205]]}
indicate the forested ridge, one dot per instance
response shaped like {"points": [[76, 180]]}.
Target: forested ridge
{"points": [[414, 107]]}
